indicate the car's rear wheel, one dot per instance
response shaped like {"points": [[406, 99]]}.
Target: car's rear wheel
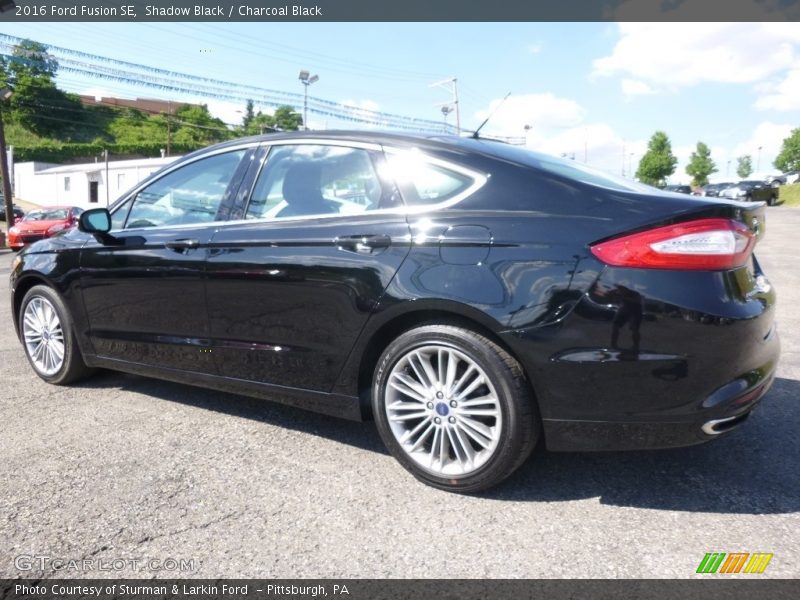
{"points": [[454, 408], [47, 335]]}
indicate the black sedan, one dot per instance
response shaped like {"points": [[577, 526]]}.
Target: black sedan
{"points": [[472, 297], [749, 190], [678, 189]]}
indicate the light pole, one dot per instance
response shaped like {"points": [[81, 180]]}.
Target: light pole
{"points": [[306, 78], [5, 94], [758, 163], [728, 170]]}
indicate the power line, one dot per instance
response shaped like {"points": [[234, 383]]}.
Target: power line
{"points": [[212, 88]]}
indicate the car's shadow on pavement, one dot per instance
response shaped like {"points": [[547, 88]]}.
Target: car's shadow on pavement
{"points": [[360, 435], [754, 470]]}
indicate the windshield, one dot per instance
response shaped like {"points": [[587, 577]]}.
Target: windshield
{"points": [[47, 215]]}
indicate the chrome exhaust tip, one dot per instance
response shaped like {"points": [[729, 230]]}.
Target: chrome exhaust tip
{"points": [[718, 426]]}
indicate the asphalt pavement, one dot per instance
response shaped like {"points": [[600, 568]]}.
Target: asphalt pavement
{"points": [[139, 477]]}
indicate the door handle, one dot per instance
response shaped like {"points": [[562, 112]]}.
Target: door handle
{"points": [[182, 245], [363, 244]]}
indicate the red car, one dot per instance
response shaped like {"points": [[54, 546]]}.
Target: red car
{"points": [[42, 223]]}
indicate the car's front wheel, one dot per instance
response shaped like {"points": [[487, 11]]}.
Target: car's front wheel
{"points": [[47, 335], [454, 408]]}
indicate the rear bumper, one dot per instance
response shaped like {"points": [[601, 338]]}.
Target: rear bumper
{"points": [[649, 359], [719, 421]]}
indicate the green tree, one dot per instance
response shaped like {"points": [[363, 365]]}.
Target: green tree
{"points": [[37, 103], [249, 114], [285, 118], [700, 165], [744, 166], [658, 162], [131, 126], [788, 158], [31, 58], [194, 124]]}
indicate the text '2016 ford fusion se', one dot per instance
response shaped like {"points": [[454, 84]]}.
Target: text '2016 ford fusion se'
{"points": [[470, 296]]}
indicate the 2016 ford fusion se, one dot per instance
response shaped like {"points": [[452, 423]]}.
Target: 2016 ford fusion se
{"points": [[470, 296]]}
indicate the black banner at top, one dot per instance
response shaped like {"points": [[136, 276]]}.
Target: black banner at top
{"points": [[398, 10]]}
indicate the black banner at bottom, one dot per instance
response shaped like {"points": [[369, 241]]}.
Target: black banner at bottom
{"points": [[376, 589]]}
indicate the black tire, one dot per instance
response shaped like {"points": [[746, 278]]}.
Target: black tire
{"points": [[520, 429], [771, 200], [73, 367]]}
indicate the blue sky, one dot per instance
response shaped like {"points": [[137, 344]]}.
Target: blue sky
{"points": [[595, 90]]}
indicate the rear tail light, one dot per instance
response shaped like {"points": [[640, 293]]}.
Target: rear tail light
{"points": [[703, 245]]}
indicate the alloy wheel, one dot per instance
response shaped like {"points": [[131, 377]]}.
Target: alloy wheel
{"points": [[443, 410], [43, 335]]}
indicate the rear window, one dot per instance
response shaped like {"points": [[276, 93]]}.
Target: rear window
{"points": [[565, 168], [422, 182]]}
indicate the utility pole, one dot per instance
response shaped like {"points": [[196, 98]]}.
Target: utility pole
{"points": [[5, 94], [451, 85], [108, 183], [758, 164]]}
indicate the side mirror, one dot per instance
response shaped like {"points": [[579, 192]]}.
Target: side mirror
{"points": [[95, 220]]}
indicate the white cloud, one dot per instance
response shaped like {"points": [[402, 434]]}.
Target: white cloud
{"points": [[557, 127], [669, 56], [633, 87], [540, 111], [784, 96]]}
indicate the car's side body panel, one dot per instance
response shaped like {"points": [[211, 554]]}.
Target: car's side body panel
{"points": [[290, 310], [288, 299]]}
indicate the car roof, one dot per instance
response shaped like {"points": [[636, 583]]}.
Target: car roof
{"points": [[487, 146]]}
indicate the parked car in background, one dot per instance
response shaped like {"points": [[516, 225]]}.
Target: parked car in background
{"points": [[791, 176], [712, 190], [751, 190], [18, 212], [438, 296], [42, 223], [775, 180], [680, 189]]}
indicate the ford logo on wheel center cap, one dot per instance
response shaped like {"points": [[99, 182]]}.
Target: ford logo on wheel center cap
{"points": [[442, 409]]}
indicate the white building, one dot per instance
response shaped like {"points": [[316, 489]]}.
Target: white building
{"points": [[87, 185]]}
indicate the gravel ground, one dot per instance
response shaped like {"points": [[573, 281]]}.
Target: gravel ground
{"points": [[124, 467]]}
